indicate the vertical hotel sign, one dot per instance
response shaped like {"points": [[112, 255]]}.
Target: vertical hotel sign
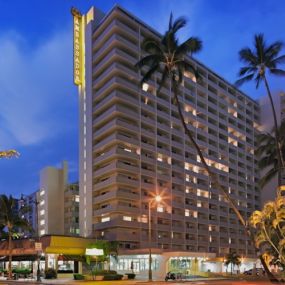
{"points": [[77, 46]]}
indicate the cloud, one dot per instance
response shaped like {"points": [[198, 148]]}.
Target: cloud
{"points": [[36, 86]]}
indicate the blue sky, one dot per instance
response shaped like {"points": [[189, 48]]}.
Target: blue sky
{"points": [[39, 107]]}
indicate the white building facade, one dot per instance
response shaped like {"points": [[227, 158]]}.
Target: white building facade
{"points": [[133, 147]]}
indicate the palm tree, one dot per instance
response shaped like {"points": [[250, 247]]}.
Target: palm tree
{"points": [[11, 219], [270, 231], [260, 61], [168, 56], [267, 154], [8, 153], [234, 259]]}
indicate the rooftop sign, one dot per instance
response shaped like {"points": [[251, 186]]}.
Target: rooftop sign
{"points": [[77, 46]]}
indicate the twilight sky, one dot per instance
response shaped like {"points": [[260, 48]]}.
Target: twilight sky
{"points": [[38, 101]]}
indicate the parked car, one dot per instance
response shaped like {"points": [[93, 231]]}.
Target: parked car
{"points": [[259, 271]]}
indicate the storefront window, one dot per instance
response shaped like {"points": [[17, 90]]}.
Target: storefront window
{"points": [[136, 263], [65, 266]]}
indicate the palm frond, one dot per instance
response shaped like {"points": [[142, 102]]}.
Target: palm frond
{"points": [[191, 45], [259, 44], [152, 46], [244, 79], [149, 73], [279, 59], [246, 55], [277, 71], [268, 177], [272, 50], [178, 24], [247, 69], [162, 79], [257, 80]]}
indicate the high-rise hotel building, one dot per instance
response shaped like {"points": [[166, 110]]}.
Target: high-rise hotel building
{"points": [[133, 147]]}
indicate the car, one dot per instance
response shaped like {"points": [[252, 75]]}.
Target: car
{"points": [[259, 271]]}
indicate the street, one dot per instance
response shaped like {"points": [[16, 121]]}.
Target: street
{"points": [[133, 282]]}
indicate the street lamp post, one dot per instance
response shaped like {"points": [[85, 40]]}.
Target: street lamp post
{"points": [[36, 202], [155, 199]]}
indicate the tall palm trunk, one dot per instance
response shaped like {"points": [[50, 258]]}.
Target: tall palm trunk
{"points": [[10, 254], [214, 179], [278, 147]]}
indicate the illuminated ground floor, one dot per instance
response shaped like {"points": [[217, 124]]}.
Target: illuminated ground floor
{"points": [[187, 263], [67, 256]]}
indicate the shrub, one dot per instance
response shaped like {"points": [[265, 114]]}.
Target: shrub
{"points": [[50, 273], [24, 271], [104, 272], [131, 275], [78, 276], [113, 277]]}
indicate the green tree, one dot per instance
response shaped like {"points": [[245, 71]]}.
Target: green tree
{"points": [[267, 154], [232, 259], [12, 222], [110, 248], [260, 61], [170, 57]]}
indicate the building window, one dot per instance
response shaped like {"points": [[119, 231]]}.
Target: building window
{"points": [[105, 219], [42, 222], [160, 209], [42, 212], [187, 213], [76, 199], [127, 218], [42, 232], [145, 87]]}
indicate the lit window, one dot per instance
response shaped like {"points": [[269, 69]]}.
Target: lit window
{"points": [[127, 218], [143, 219], [160, 209], [42, 212], [102, 234], [199, 192], [187, 190], [159, 157], [42, 192], [42, 222], [77, 198], [145, 87], [199, 204], [210, 228], [196, 169], [230, 240], [195, 214], [105, 219], [187, 178], [42, 202], [187, 213], [42, 232], [169, 160], [127, 149], [210, 238]]}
